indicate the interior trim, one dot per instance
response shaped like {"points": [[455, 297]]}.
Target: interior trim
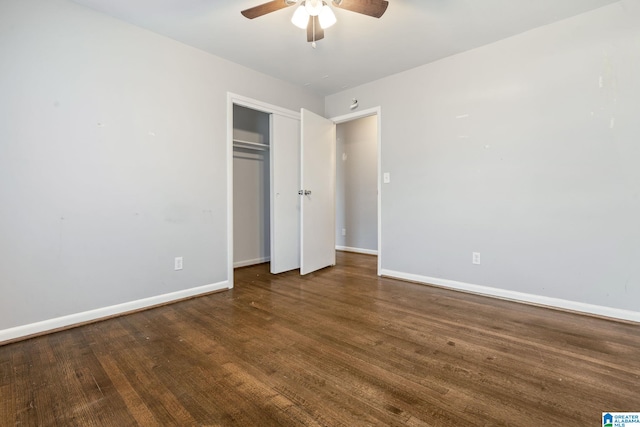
{"points": [[249, 262], [558, 303], [50, 325], [357, 250]]}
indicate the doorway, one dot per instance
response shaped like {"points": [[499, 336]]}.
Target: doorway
{"points": [[285, 144], [360, 197], [261, 138], [356, 186], [251, 189]]}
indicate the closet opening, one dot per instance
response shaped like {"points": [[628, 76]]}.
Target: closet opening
{"points": [[251, 187]]}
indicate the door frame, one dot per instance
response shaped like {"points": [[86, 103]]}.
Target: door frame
{"points": [[377, 111], [244, 101]]}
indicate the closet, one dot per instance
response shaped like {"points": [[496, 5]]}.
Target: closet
{"points": [[265, 185], [251, 186]]}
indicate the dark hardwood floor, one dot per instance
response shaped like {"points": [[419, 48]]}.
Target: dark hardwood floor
{"points": [[340, 347]]}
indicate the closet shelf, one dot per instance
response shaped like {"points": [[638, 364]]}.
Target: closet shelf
{"points": [[249, 145]]}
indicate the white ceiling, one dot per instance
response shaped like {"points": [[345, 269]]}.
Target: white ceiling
{"points": [[356, 50]]}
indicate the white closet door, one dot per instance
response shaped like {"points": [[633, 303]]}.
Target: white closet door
{"points": [[318, 181], [285, 201]]}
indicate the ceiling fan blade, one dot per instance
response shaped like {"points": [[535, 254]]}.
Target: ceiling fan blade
{"points": [[265, 8], [314, 21], [374, 8]]}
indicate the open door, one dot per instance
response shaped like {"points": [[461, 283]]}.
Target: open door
{"points": [[285, 201], [318, 188]]}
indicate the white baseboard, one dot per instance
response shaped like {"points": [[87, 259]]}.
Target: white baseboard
{"points": [[104, 312], [357, 250], [598, 310], [251, 262]]}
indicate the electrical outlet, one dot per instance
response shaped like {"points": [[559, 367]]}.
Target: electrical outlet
{"points": [[475, 258], [344, 231], [177, 263]]}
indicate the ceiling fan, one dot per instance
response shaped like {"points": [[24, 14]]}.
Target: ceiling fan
{"points": [[315, 15]]}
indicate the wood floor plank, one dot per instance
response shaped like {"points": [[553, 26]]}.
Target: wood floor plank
{"points": [[7, 400], [338, 347]]}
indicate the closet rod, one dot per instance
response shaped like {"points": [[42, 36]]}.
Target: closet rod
{"points": [[249, 145]]}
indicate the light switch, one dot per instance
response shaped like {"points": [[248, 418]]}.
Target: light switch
{"points": [[386, 177]]}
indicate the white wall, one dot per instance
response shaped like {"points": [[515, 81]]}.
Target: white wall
{"points": [[525, 150], [112, 161], [357, 184]]}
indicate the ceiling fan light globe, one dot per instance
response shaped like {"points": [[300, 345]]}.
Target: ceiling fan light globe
{"points": [[314, 7], [327, 18], [300, 17]]}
